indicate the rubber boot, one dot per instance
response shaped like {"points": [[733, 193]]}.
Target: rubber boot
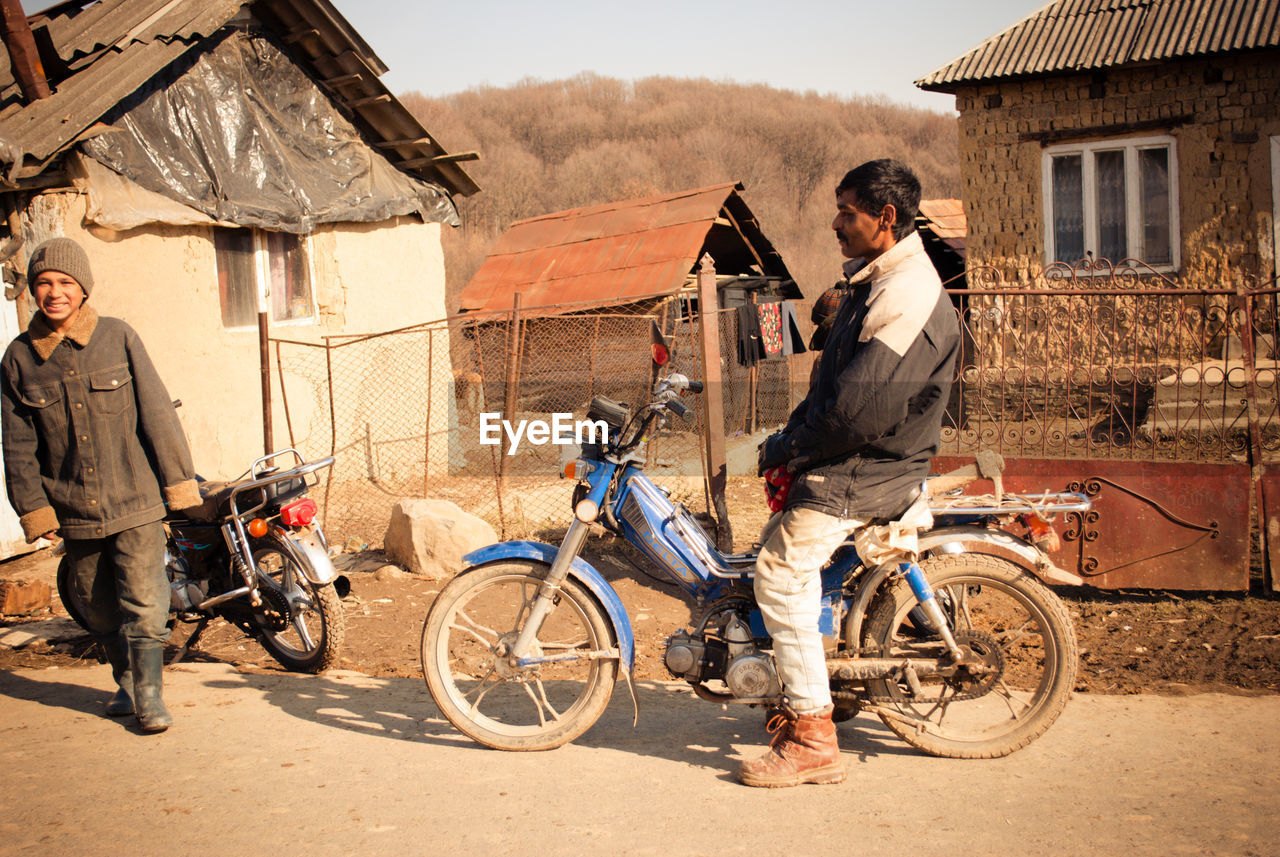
{"points": [[121, 702], [804, 750], [147, 658]]}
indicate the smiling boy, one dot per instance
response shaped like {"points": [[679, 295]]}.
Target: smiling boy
{"points": [[93, 451]]}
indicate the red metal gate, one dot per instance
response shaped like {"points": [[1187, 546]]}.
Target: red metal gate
{"points": [[1156, 401]]}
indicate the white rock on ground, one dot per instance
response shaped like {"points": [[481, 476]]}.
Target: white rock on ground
{"points": [[429, 537]]}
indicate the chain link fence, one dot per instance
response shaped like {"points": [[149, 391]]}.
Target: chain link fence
{"points": [[451, 409]]}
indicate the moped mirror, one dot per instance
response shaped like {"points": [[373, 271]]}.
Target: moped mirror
{"points": [[661, 351]]}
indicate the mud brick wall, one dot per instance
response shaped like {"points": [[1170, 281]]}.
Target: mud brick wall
{"points": [[1220, 110]]}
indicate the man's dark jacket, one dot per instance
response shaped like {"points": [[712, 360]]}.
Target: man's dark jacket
{"points": [[861, 441]]}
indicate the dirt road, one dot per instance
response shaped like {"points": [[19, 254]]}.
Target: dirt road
{"points": [[353, 765]]}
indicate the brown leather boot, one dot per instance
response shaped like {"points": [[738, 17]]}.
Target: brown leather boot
{"points": [[803, 750]]}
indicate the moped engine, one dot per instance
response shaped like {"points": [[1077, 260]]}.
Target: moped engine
{"points": [[185, 592], [723, 650]]}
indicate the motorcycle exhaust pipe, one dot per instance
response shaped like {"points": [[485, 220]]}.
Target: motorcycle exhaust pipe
{"points": [[223, 598]]}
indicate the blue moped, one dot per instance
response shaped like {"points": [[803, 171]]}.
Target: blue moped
{"points": [[959, 648]]}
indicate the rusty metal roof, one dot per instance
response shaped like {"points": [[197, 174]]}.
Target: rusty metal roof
{"points": [[620, 252], [1087, 35], [945, 218], [110, 48]]}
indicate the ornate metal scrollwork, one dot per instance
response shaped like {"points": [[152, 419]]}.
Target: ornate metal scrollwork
{"points": [[1080, 525]]}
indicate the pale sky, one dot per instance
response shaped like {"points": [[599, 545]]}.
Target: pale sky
{"points": [[846, 48]]}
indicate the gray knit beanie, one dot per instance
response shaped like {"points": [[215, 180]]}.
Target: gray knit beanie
{"points": [[60, 254]]}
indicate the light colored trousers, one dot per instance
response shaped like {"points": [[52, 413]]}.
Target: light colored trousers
{"points": [[796, 543]]}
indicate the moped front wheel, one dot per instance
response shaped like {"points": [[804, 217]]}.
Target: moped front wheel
{"points": [[465, 659], [1019, 666]]}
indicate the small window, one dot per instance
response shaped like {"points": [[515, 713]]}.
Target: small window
{"points": [[258, 269], [1114, 200]]}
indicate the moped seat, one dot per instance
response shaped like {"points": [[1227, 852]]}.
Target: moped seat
{"points": [[217, 496]]}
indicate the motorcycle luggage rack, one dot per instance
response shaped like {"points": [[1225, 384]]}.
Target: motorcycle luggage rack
{"points": [[980, 505], [263, 476]]}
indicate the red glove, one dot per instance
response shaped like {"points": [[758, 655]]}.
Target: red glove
{"points": [[777, 484]]}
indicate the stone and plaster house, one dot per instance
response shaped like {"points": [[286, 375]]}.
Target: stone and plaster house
{"points": [[1143, 129], [224, 163]]}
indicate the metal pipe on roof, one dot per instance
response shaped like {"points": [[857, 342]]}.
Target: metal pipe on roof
{"points": [[23, 55]]}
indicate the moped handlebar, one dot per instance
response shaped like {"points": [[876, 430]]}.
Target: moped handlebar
{"points": [[677, 383]]}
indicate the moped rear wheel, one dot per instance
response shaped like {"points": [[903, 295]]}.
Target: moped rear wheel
{"points": [[468, 630], [1018, 638], [68, 596]]}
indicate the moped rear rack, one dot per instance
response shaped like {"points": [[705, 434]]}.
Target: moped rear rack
{"points": [[982, 505], [263, 475]]}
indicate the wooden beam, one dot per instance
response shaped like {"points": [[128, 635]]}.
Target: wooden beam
{"points": [[713, 399], [354, 77], [299, 35], [369, 99], [406, 141], [1045, 138], [24, 58], [437, 160], [725, 213]]}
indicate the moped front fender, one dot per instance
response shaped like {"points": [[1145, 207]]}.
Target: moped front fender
{"points": [[581, 571]]}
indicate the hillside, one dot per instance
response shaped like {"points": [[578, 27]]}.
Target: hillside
{"points": [[547, 146]]}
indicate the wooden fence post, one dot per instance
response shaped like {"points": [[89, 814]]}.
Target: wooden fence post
{"points": [[1257, 470], [713, 399], [264, 372], [512, 392]]}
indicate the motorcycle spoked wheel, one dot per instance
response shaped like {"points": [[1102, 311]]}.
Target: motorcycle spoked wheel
{"points": [[1024, 643], [470, 623], [300, 624]]}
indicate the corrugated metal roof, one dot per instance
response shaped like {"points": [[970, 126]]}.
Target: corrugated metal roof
{"points": [[121, 64], [1086, 35], [609, 254], [113, 47]]}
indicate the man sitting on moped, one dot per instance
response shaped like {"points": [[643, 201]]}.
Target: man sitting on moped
{"points": [[858, 448]]}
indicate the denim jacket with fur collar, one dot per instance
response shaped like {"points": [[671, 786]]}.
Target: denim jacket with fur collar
{"points": [[92, 444]]}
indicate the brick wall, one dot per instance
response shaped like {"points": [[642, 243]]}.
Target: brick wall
{"points": [[1221, 111]]}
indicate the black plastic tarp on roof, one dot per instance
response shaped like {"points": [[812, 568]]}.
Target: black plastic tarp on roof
{"points": [[243, 135]]}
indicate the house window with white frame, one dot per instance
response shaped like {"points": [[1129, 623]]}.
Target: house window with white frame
{"points": [[1114, 199], [260, 270]]}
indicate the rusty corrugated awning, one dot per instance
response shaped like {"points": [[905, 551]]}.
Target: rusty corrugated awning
{"points": [[945, 219], [615, 253]]}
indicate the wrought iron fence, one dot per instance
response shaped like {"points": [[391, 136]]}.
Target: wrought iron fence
{"points": [[1093, 362], [1113, 362]]}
